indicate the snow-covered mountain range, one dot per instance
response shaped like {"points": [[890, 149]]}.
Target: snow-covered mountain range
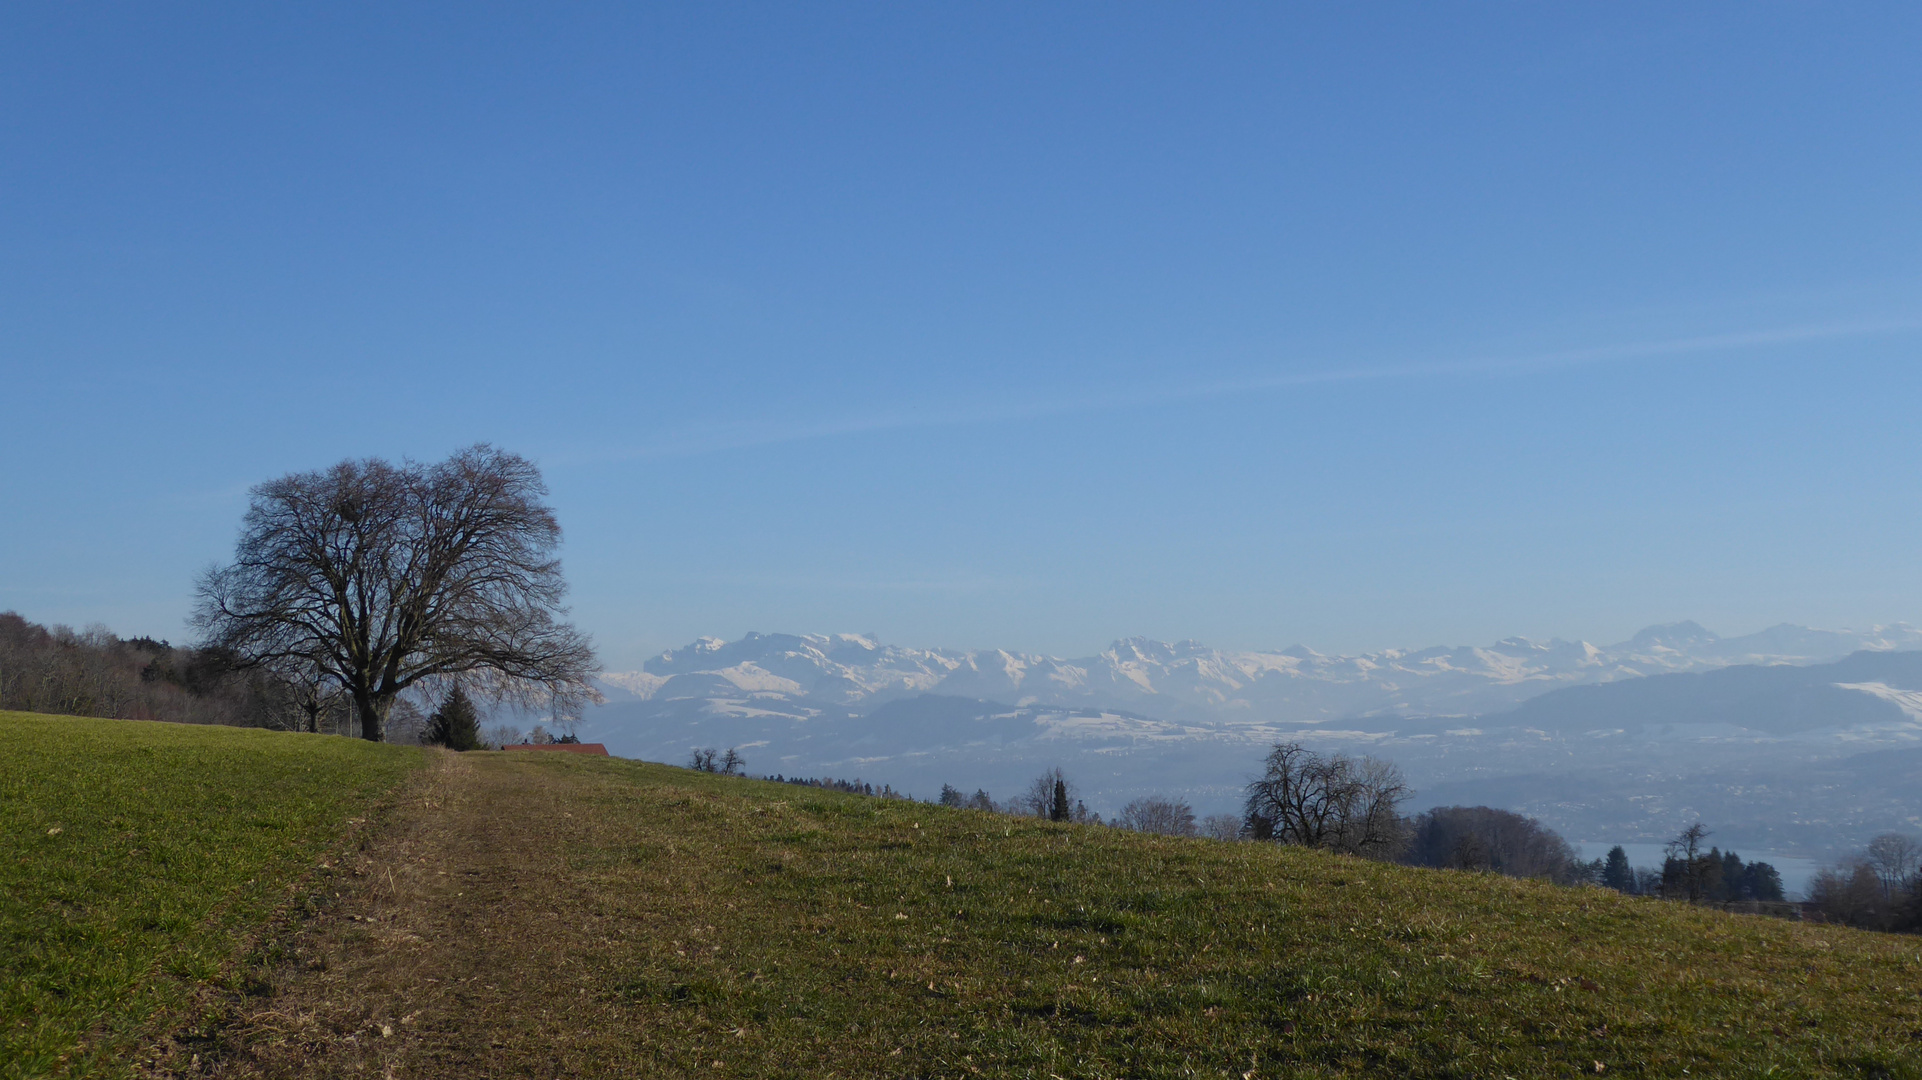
{"points": [[1191, 682], [1614, 742]]}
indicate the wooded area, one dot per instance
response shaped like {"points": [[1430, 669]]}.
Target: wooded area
{"points": [[92, 672]]}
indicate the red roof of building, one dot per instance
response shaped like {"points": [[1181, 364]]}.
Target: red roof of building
{"points": [[570, 747]]}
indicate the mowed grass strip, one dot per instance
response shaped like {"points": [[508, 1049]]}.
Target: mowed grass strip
{"points": [[130, 855], [772, 930]]}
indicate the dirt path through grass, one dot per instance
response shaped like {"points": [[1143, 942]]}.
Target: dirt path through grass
{"points": [[457, 944], [542, 915]]}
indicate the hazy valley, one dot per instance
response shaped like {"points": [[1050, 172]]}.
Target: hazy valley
{"points": [[1792, 739]]}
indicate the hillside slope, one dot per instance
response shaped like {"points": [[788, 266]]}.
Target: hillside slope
{"points": [[1866, 691], [554, 915], [136, 857]]}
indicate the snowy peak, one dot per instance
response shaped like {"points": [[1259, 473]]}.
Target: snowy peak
{"points": [[1193, 682]]}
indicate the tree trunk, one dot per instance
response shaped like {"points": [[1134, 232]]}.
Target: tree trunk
{"points": [[372, 711]]}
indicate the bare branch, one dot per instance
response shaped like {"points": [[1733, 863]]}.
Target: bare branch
{"points": [[379, 576]]}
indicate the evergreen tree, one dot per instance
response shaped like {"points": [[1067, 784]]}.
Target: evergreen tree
{"points": [[1734, 880], [1060, 811], [455, 724], [1761, 881]]}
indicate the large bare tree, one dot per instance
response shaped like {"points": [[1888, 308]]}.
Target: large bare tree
{"points": [[1333, 802], [379, 576]]}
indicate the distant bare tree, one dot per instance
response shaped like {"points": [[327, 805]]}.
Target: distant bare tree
{"points": [[732, 763], [382, 576], [1221, 827], [406, 723], [498, 735], [1039, 800], [1688, 868], [1851, 893], [1165, 817], [1895, 859], [704, 759], [1334, 802]]}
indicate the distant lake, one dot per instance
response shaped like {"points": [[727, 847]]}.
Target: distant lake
{"points": [[1795, 872]]}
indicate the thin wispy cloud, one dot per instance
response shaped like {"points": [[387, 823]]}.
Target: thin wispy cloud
{"points": [[970, 583], [699, 439]]}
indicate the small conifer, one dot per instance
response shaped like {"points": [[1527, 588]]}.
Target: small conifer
{"points": [[455, 724], [1617, 873]]}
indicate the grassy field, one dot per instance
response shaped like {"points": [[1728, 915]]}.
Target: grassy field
{"points": [[133, 854], [519, 915], [555, 915]]}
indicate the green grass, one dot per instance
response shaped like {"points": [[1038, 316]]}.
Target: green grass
{"points": [[794, 932], [610, 918], [132, 854]]}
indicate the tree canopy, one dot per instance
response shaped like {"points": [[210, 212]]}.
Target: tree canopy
{"points": [[377, 577]]}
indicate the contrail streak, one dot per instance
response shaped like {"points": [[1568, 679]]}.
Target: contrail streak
{"points": [[696, 441]]}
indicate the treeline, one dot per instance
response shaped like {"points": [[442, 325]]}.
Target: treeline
{"points": [[1486, 839], [1878, 888], [1352, 806], [1051, 795], [852, 787], [94, 673], [1690, 873]]}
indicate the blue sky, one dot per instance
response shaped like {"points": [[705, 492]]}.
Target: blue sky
{"points": [[1019, 325]]}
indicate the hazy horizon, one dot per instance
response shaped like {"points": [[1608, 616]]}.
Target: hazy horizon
{"points": [[1110, 641]]}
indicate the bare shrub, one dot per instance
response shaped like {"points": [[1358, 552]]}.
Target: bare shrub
{"points": [[1851, 893], [496, 736], [1896, 859], [1165, 817], [1221, 827]]}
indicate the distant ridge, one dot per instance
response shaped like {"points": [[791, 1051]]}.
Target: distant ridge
{"points": [[1863, 690], [1624, 741], [1193, 682]]}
